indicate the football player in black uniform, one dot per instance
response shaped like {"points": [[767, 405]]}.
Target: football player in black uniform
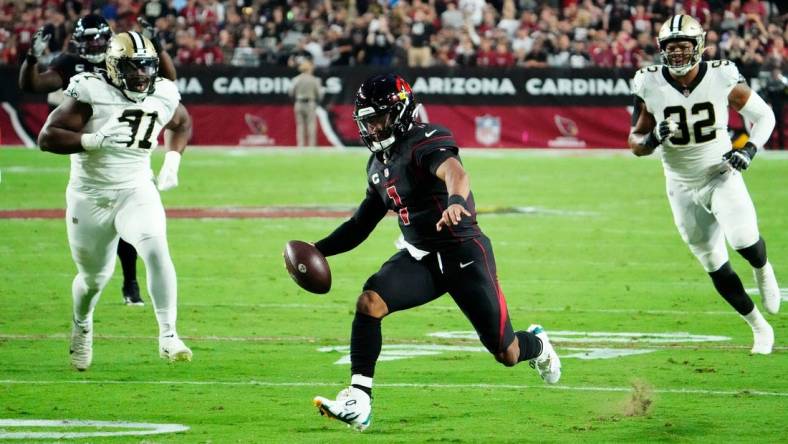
{"points": [[90, 38], [415, 171]]}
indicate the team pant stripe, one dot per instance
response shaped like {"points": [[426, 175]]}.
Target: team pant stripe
{"points": [[503, 311]]}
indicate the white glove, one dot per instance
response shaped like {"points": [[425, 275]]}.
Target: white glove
{"points": [[665, 129], [114, 134], [168, 175], [40, 43]]}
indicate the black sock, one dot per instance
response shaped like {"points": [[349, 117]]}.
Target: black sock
{"points": [[755, 253], [530, 345], [365, 344], [729, 286], [128, 261]]}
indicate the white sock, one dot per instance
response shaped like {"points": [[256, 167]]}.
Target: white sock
{"points": [[162, 282], [363, 381], [755, 319]]}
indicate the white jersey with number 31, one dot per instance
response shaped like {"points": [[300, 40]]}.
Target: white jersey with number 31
{"points": [[694, 153], [127, 167]]}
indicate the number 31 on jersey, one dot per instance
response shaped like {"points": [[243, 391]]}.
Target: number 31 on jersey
{"points": [[139, 119]]}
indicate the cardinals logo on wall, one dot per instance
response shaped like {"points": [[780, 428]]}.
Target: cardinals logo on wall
{"points": [[569, 131], [488, 129], [258, 129]]}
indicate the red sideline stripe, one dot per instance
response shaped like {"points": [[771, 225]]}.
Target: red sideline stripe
{"points": [[194, 213]]}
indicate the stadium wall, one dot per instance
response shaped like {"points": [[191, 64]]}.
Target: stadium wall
{"points": [[484, 107]]}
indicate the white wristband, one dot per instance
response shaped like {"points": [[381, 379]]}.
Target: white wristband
{"points": [[90, 141], [172, 161]]}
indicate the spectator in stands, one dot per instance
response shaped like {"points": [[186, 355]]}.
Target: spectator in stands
{"points": [[421, 32], [452, 17], [380, 42]]}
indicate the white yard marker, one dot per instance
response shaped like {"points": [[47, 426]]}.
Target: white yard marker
{"points": [[137, 428]]}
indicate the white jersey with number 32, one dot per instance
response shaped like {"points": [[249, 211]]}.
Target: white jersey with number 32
{"points": [[694, 153], [127, 167]]}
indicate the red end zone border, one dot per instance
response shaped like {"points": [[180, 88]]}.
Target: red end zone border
{"points": [[198, 213]]}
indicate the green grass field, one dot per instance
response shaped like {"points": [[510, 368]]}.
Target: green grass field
{"points": [[597, 253]]}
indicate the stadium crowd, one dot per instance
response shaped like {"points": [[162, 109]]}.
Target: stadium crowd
{"points": [[502, 33]]}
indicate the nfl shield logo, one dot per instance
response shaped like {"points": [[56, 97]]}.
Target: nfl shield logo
{"points": [[488, 129]]}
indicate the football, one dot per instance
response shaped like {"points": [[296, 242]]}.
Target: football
{"points": [[307, 266]]}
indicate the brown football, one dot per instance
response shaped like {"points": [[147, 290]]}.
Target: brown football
{"points": [[307, 266]]}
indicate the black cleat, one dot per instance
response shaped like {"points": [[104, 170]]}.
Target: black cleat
{"points": [[131, 293]]}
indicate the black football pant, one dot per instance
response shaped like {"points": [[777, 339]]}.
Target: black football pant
{"points": [[467, 272]]}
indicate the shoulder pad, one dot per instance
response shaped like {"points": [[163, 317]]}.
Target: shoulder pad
{"points": [[83, 84], [728, 72], [641, 77], [167, 89]]}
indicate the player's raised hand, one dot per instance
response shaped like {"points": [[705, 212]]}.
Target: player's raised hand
{"points": [[665, 129], [40, 43], [114, 134], [741, 159], [451, 216]]}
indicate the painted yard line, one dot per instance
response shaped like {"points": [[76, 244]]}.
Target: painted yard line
{"points": [[682, 391], [511, 307], [308, 340]]}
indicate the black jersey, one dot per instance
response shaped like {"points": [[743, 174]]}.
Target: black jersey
{"points": [[404, 178], [68, 65]]}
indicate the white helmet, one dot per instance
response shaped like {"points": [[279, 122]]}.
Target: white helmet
{"points": [[681, 27]]}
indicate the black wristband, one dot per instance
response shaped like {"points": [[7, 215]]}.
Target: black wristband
{"points": [[651, 142], [457, 199], [750, 149], [31, 59]]}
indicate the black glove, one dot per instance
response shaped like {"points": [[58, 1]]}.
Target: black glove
{"points": [[662, 131], [740, 159]]}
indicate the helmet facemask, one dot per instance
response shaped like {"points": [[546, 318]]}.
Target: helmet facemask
{"points": [[138, 74], [378, 127], [680, 55]]}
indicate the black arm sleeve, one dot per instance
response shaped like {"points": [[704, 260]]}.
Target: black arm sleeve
{"points": [[355, 230]]}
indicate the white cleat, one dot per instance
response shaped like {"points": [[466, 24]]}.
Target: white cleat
{"points": [[547, 363], [81, 347], [767, 286], [172, 348], [352, 407], [763, 340]]}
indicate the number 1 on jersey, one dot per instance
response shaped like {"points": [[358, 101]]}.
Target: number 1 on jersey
{"points": [[134, 118], [403, 212]]}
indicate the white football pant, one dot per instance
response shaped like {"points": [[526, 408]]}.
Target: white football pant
{"points": [[706, 217], [95, 219]]}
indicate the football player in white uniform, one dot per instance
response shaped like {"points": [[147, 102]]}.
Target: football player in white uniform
{"points": [[109, 124], [683, 107]]}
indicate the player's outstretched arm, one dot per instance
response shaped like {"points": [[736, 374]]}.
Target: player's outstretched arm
{"points": [[176, 135], [458, 187], [754, 110], [355, 230]]}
